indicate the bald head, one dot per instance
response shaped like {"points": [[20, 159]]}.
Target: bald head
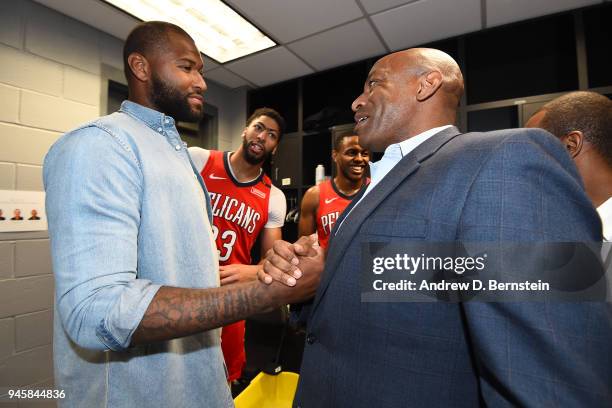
{"points": [[424, 60], [407, 93]]}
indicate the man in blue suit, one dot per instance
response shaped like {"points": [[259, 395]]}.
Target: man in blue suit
{"points": [[435, 184]]}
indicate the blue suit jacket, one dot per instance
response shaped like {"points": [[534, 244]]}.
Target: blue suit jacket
{"points": [[514, 185]]}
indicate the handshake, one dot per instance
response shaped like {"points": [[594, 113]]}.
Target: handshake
{"points": [[293, 271]]}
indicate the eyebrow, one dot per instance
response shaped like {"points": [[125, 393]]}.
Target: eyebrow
{"points": [[378, 73], [267, 128], [190, 61]]}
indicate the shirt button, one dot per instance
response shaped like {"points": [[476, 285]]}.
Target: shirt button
{"points": [[311, 338], [167, 120], [159, 129], [177, 147]]}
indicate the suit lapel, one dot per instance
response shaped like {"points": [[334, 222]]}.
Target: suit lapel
{"points": [[355, 215]]}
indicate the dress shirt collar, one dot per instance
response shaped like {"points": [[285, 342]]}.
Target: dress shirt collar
{"points": [[395, 152], [605, 212], [152, 118], [412, 143]]}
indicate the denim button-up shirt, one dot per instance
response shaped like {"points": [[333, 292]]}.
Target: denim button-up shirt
{"points": [[127, 214]]}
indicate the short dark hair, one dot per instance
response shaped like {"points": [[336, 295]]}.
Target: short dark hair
{"points": [[147, 38], [272, 114], [340, 136], [587, 112]]}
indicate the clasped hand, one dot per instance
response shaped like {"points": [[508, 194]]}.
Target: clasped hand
{"points": [[287, 263]]}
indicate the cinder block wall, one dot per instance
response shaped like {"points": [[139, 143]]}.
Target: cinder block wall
{"points": [[54, 75], [50, 81]]}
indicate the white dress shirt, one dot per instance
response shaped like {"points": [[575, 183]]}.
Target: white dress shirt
{"points": [[393, 154], [605, 213]]}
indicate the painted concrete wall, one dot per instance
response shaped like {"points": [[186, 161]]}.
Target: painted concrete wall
{"points": [[54, 74]]}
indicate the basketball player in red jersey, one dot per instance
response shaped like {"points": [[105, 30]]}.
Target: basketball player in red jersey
{"points": [[245, 205], [323, 203]]}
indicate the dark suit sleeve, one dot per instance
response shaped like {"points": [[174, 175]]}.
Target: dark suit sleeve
{"points": [[535, 353], [300, 313]]}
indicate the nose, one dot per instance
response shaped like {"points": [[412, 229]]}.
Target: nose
{"points": [[199, 83], [358, 103], [359, 158]]}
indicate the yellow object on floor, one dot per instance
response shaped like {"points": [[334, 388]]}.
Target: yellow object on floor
{"points": [[269, 391]]}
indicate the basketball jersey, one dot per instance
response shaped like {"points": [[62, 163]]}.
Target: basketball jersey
{"points": [[240, 210], [331, 204]]}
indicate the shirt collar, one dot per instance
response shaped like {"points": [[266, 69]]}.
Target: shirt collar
{"points": [[152, 118], [605, 212], [394, 153], [413, 142]]}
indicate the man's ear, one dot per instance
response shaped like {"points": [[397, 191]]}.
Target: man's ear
{"points": [[140, 67], [334, 155], [573, 142], [429, 84]]}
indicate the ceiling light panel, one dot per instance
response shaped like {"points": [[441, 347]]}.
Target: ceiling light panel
{"points": [[217, 30]]}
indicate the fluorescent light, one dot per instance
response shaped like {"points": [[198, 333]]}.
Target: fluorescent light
{"points": [[217, 30]]}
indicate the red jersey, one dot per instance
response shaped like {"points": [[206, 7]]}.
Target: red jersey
{"points": [[240, 210], [331, 204]]}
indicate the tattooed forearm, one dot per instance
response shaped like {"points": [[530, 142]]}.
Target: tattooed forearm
{"points": [[178, 312]]}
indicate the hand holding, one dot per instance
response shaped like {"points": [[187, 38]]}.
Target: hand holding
{"points": [[281, 261], [238, 273]]}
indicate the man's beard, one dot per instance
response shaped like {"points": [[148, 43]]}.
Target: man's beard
{"points": [[171, 102], [253, 160]]}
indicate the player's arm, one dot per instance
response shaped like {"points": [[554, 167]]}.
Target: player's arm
{"points": [[308, 212], [268, 236], [277, 210], [235, 273], [199, 157]]}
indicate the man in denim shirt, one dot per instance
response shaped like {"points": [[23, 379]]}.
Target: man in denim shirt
{"points": [[136, 269]]}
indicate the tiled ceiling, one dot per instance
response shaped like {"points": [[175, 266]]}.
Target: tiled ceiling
{"points": [[314, 35], [421, 22]]}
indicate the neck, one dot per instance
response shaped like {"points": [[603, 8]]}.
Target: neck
{"points": [[346, 186], [415, 131], [596, 174], [141, 97], [243, 170], [598, 187]]}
